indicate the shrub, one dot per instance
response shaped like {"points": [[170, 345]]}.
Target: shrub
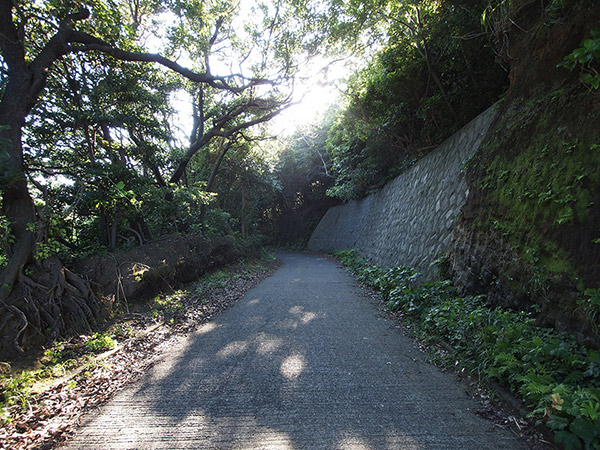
{"points": [[558, 378]]}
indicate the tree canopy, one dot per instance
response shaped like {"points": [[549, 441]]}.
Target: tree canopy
{"points": [[410, 97], [90, 158]]}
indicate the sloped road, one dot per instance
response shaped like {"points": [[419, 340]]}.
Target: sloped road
{"points": [[304, 361]]}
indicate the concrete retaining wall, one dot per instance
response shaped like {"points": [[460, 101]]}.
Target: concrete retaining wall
{"points": [[409, 221]]}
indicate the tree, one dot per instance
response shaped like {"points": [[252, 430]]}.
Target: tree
{"points": [[80, 134], [35, 39], [410, 19], [303, 175], [411, 96]]}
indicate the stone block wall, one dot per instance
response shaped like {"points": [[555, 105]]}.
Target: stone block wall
{"points": [[409, 221]]}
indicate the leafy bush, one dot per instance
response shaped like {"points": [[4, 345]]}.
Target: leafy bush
{"points": [[170, 306], [591, 304], [586, 58], [558, 378], [99, 342]]}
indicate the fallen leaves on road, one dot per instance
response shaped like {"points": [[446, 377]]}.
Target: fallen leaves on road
{"points": [[48, 418]]}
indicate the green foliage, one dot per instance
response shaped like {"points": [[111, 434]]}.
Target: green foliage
{"points": [[409, 98], [218, 280], [587, 59], [100, 342], [302, 176], [591, 304], [5, 240], [101, 142], [14, 390], [558, 378], [168, 307]]}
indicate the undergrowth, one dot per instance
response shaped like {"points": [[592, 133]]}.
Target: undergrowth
{"points": [[556, 377], [168, 308], [17, 387]]}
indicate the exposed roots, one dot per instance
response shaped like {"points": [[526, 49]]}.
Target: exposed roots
{"points": [[47, 302]]}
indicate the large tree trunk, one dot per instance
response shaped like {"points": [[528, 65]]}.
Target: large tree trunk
{"points": [[18, 208], [45, 301]]}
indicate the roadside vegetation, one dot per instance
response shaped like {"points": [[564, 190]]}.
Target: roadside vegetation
{"points": [[41, 398], [558, 379]]}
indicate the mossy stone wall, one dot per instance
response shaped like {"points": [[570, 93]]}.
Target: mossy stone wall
{"points": [[409, 221]]}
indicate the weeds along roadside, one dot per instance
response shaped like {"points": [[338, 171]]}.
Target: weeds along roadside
{"points": [[558, 379], [73, 368]]}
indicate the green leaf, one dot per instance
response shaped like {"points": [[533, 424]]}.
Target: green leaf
{"points": [[569, 440], [581, 55], [584, 429], [557, 423], [592, 79]]}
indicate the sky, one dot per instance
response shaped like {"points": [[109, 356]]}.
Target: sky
{"points": [[314, 93], [315, 89]]}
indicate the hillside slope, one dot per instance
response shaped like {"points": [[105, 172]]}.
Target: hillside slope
{"points": [[529, 234]]}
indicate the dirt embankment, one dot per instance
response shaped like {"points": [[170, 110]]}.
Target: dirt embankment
{"points": [[528, 234], [159, 266]]}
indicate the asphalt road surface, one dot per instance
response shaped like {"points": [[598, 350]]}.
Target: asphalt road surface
{"points": [[304, 361]]}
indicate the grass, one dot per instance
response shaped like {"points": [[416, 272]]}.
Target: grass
{"points": [[17, 387]]}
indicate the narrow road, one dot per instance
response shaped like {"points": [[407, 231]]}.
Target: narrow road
{"points": [[304, 361]]}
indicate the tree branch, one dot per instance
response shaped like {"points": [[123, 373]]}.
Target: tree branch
{"points": [[91, 43]]}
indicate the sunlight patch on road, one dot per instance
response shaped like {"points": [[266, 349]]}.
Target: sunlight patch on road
{"points": [[269, 439], [267, 344], [292, 366], [354, 443], [296, 310], [307, 317], [206, 328], [287, 324], [396, 439], [234, 348]]}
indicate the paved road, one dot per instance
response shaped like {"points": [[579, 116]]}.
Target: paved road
{"points": [[304, 361]]}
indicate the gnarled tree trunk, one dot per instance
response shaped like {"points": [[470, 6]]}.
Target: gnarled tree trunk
{"points": [[38, 299]]}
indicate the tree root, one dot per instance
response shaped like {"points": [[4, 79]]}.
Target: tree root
{"points": [[47, 303], [22, 328]]}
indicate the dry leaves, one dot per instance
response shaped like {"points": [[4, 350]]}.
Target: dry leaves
{"points": [[50, 417]]}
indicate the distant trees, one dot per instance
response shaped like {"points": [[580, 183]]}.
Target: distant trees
{"points": [[303, 174]]}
